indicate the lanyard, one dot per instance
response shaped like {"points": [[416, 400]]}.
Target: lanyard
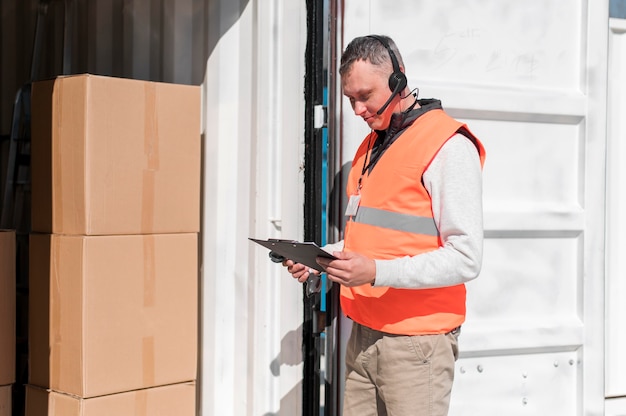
{"points": [[366, 164], [389, 137]]}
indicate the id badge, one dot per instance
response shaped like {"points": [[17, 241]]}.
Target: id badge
{"points": [[353, 205]]}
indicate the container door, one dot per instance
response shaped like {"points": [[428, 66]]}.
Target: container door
{"points": [[615, 363], [529, 78]]}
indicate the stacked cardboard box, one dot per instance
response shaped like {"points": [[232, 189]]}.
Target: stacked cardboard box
{"points": [[7, 319], [113, 253]]}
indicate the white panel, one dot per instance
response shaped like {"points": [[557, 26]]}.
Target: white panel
{"points": [[615, 407], [542, 278], [616, 219], [523, 385], [251, 361], [536, 44], [528, 297], [549, 178]]}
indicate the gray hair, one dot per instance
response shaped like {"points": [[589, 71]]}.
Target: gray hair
{"points": [[366, 48]]}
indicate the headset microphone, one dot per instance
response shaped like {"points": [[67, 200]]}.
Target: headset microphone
{"points": [[397, 80]]}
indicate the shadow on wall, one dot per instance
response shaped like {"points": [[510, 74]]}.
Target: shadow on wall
{"points": [[337, 199], [291, 401], [288, 355]]}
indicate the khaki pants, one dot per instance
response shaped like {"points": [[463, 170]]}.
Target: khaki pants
{"points": [[398, 375]]}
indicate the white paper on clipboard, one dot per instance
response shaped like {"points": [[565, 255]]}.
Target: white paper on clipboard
{"points": [[300, 252]]}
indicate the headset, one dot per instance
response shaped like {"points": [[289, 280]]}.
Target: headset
{"points": [[397, 80]]}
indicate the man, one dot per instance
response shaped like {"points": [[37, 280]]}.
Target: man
{"points": [[413, 237]]}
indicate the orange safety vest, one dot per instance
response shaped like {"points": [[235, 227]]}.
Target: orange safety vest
{"points": [[395, 219]]}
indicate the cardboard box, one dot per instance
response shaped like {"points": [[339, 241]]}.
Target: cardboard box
{"points": [[5, 400], [115, 156], [112, 313], [7, 307], [176, 399]]}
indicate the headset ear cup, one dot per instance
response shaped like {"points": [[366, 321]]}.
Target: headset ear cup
{"points": [[397, 82]]}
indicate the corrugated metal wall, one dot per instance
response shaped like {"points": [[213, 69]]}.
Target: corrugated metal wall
{"points": [[158, 40], [17, 23]]}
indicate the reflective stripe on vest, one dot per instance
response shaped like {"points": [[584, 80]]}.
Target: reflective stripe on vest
{"points": [[397, 221]]}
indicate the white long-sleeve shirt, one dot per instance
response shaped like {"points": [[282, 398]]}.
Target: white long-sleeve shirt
{"points": [[454, 182]]}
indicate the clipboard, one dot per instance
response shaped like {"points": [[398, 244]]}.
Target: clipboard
{"points": [[300, 252]]}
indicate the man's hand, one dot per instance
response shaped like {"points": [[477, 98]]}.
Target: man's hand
{"points": [[298, 271], [350, 269]]}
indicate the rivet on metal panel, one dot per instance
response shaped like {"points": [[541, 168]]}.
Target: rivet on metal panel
{"points": [[462, 370], [524, 401], [525, 375], [479, 368], [556, 363], [571, 362]]}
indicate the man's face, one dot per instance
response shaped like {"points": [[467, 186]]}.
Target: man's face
{"points": [[367, 88]]}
